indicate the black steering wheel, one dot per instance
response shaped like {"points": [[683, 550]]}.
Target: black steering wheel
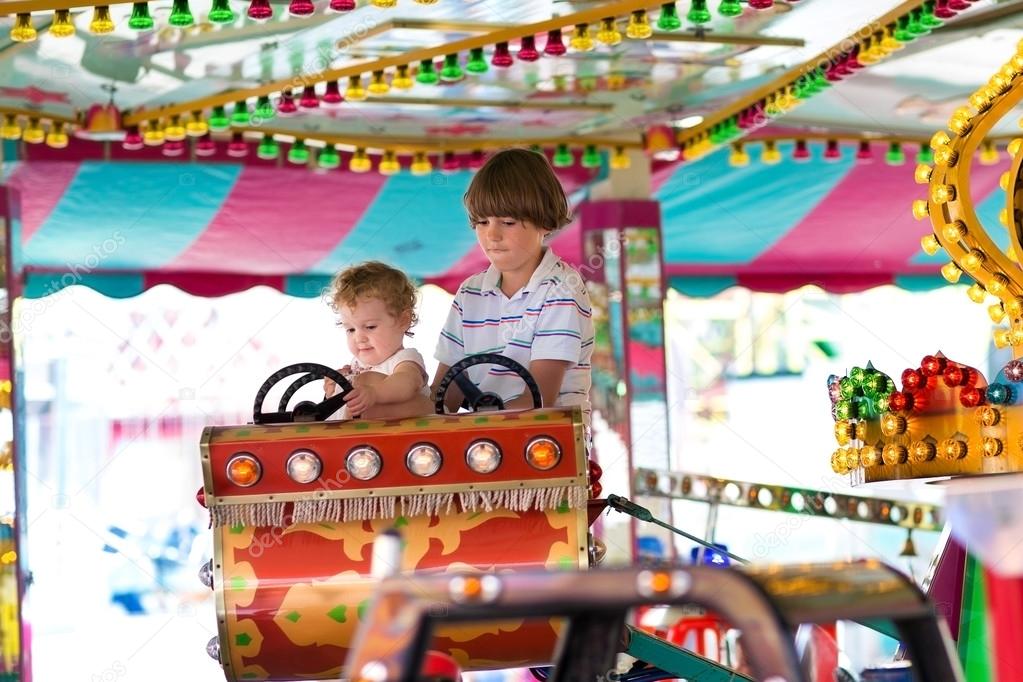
{"points": [[305, 411], [475, 399]]}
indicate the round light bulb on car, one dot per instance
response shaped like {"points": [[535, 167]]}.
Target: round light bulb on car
{"points": [[424, 460], [363, 463], [304, 466], [483, 456], [244, 470], [543, 453]]}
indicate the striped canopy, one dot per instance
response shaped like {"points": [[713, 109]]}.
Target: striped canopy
{"points": [[211, 229]]}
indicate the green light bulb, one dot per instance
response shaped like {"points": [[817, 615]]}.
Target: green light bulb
{"points": [[427, 73], [328, 157], [268, 148], [916, 24], [218, 119], [925, 155], [298, 153], [902, 32], [698, 14], [221, 12], [452, 71], [265, 108], [730, 8], [895, 156], [928, 19], [240, 115], [591, 157], [563, 157], [181, 15], [140, 18], [477, 62]]}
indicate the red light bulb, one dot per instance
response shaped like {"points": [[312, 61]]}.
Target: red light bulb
{"points": [[954, 376], [332, 97], [760, 4], [502, 56], [237, 147], [932, 365], [287, 106], [911, 380], [205, 146], [595, 490], [832, 152], [864, 154], [900, 402], [1014, 371], [555, 46], [200, 497], [450, 163], [308, 99], [971, 397], [958, 5], [476, 159], [132, 139], [260, 10], [595, 471], [527, 49], [173, 148], [801, 152], [342, 5], [301, 8]]}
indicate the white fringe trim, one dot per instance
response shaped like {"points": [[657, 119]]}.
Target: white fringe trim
{"points": [[389, 507]]}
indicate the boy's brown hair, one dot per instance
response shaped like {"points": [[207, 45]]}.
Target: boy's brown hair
{"points": [[520, 184], [374, 279]]}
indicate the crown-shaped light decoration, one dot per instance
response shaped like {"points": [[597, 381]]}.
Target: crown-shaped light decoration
{"points": [[948, 419]]}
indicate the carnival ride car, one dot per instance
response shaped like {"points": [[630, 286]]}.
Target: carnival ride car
{"points": [[493, 511]]}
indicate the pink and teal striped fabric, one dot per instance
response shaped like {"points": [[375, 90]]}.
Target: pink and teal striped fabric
{"points": [[215, 228]]}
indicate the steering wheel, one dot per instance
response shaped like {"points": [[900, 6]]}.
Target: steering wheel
{"points": [[477, 400], [305, 411]]}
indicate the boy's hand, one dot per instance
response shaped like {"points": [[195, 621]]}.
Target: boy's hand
{"points": [[361, 399], [329, 385]]}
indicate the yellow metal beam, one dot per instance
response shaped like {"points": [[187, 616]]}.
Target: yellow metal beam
{"points": [[587, 16], [561, 105], [438, 144], [788, 77]]}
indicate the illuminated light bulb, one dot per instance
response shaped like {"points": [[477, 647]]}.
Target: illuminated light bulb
{"points": [[101, 22], [402, 80], [867, 53], [992, 447], [730, 8], [268, 148], [864, 153], [981, 100], [427, 73], [1014, 371], [23, 31], [932, 365], [972, 397], [609, 33], [990, 416], [955, 375], [1014, 306], [590, 157], [945, 156], [240, 114], [563, 156], [801, 152], [988, 153], [328, 158], [581, 40], [838, 464], [1001, 338], [1016, 337], [477, 62], [451, 72], [999, 394], [955, 231], [57, 138], [221, 12], [389, 164], [940, 139], [925, 155], [953, 449], [942, 194], [153, 134], [527, 49], [619, 159], [923, 451], [893, 424], [378, 84], [739, 156], [360, 162], [922, 174], [1014, 146], [912, 380], [889, 44], [852, 458], [870, 455], [832, 152], [174, 130], [760, 4], [893, 454], [181, 14], [219, 119], [900, 401], [895, 156], [960, 125], [301, 8], [771, 155], [299, 153], [260, 10], [996, 312], [10, 130], [237, 148], [421, 164], [921, 209], [976, 293], [639, 26], [132, 139], [383, 4], [205, 146], [555, 45], [951, 273], [997, 284], [62, 26], [341, 6], [355, 92], [307, 100], [844, 431], [196, 125], [999, 83], [450, 163]]}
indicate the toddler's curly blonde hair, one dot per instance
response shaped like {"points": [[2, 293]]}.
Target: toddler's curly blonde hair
{"points": [[374, 279]]}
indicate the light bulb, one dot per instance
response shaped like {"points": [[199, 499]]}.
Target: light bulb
{"points": [[389, 164], [360, 162], [378, 84], [954, 231], [920, 209], [421, 164], [942, 194], [101, 22], [23, 31], [402, 80], [609, 33], [62, 26], [973, 261], [57, 138], [997, 284], [10, 130], [581, 40], [951, 273], [976, 293], [922, 174], [355, 92], [639, 26], [619, 159], [930, 245]]}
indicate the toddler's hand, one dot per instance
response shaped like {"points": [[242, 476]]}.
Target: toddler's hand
{"points": [[360, 400], [330, 386]]}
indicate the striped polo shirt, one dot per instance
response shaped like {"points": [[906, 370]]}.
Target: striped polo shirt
{"points": [[548, 319]]}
